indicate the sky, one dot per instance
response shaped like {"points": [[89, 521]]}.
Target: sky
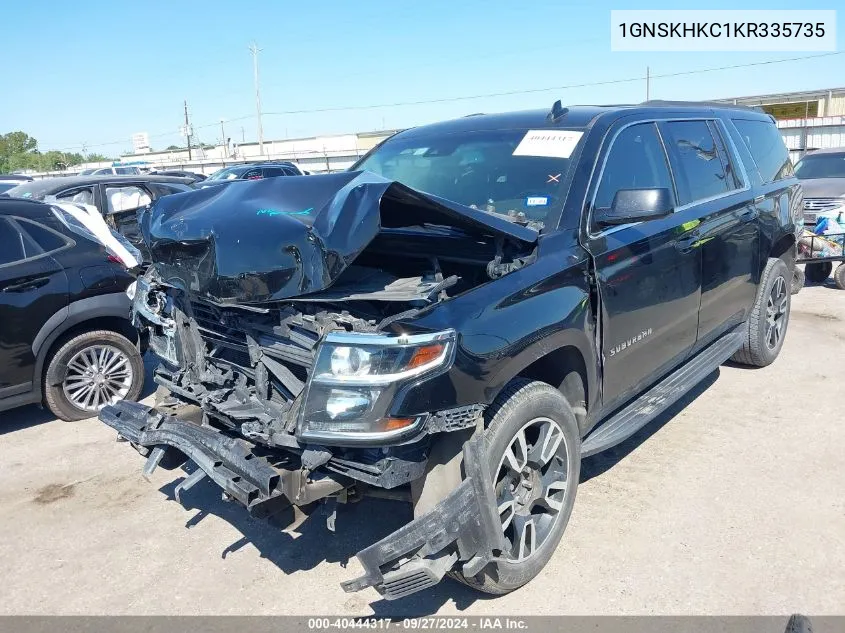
{"points": [[95, 72]]}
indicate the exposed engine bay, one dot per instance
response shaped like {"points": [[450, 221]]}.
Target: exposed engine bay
{"points": [[303, 371]]}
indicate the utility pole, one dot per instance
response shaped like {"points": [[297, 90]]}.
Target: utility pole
{"points": [[243, 135], [647, 83], [255, 50], [223, 139], [188, 130]]}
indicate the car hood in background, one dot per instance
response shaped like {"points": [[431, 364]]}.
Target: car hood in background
{"points": [[276, 238], [823, 187]]}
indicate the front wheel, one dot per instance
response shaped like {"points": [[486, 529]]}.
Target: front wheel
{"points": [[769, 317], [533, 446]]}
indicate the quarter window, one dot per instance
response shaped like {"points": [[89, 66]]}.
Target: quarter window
{"points": [[47, 240], [767, 148], [698, 168], [636, 161]]}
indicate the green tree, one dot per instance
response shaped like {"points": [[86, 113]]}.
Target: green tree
{"points": [[94, 157], [172, 147], [17, 150]]}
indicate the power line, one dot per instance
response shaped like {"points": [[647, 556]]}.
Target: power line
{"points": [[489, 95]]}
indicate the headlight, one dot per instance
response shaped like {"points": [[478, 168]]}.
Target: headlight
{"points": [[355, 378]]}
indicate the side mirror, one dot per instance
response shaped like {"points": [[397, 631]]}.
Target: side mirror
{"points": [[636, 205]]}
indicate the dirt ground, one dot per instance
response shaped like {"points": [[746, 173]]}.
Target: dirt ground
{"points": [[732, 503]]}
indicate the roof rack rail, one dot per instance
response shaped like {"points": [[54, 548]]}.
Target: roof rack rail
{"points": [[706, 104]]}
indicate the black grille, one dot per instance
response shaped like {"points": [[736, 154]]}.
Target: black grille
{"points": [[225, 330]]}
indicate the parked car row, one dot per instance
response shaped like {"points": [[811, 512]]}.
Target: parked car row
{"points": [[66, 338]]}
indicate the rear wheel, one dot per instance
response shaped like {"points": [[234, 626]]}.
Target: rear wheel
{"points": [[797, 280], [92, 370], [818, 273], [533, 447], [839, 277], [769, 317]]}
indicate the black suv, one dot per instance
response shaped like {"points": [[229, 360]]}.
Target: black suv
{"points": [[251, 171], [461, 318], [65, 334]]}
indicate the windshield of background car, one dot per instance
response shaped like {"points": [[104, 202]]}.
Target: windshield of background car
{"points": [[33, 190], [503, 171], [230, 173], [821, 166]]}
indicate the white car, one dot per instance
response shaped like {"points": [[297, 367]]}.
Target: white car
{"points": [[111, 171]]}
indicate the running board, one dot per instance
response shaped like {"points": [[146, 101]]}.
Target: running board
{"points": [[635, 415]]}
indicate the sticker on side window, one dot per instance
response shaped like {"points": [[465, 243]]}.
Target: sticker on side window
{"points": [[548, 143]]}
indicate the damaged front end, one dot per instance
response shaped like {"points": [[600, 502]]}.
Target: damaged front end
{"points": [[284, 311]]}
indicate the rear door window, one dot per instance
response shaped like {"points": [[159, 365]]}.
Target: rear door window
{"points": [[253, 174], [11, 243], [699, 171], [767, 148]]}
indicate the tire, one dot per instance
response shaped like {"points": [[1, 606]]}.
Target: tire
{"points": [[798, 623], [65, 381], [798, 279], [818, 273], [761, 346], [516, 411], [839, 276]]}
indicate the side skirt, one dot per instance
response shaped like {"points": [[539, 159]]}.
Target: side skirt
{"points": [[651, 403]]}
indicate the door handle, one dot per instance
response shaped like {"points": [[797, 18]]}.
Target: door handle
{"points": [[31, 284], [749, 214], [759, 199], [686, 243]]}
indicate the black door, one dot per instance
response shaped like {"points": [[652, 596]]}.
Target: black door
{"points": [[33, 287], [709, 183], [648, 273]]}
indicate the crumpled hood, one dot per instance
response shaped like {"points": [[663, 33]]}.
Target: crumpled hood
{"points": [[265, 240], [823, 188]]}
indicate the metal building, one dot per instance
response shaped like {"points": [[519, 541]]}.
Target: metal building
{"points": [[807, 120]]}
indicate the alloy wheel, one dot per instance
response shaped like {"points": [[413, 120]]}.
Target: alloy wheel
{"points": [[97, 376], [530, 485], [776, 310]]}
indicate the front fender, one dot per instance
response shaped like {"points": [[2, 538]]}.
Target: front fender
{"points": [[504, 326]]}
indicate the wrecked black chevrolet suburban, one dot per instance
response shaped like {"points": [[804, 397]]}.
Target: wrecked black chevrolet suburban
{"points": [[461, 318]]}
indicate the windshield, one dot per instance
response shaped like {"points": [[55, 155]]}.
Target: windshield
{"points": [[230, 173], [513, 172], [821, 166], [33, 190], [87, 172]]}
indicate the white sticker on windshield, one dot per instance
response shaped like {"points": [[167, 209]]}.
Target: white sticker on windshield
{"points": [[548, 143]]}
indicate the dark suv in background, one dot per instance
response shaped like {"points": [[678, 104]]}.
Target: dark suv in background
{"points": [[462, 317], [65, 335], [252, 171]]}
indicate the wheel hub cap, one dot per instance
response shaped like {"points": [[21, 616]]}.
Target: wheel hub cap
{"points": [[530, 485], [777, 307], [97, 376]]}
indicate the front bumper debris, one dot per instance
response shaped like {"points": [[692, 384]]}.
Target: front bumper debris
{"points": [[463, 530], [263, 488]]}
